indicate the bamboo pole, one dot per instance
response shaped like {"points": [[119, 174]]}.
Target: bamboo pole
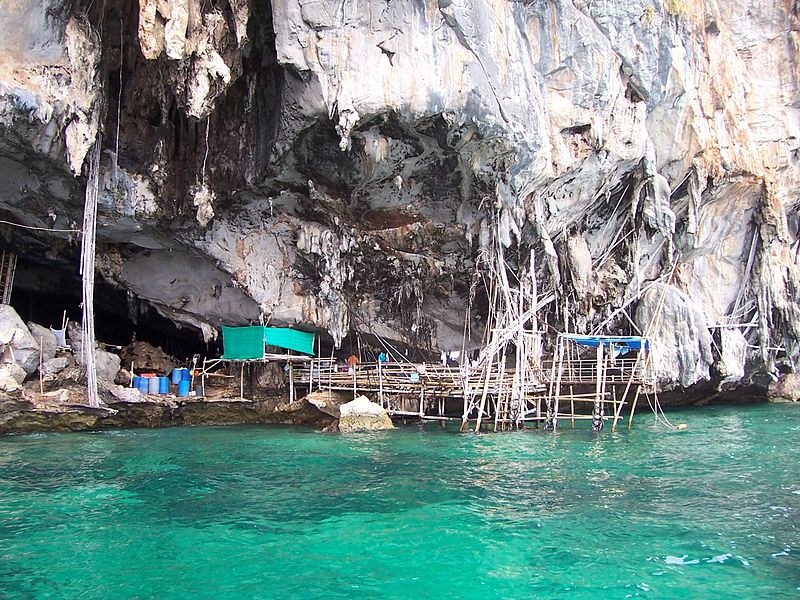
{"points": [[41, 351], [291, 382], [203, 376], [598, 388], [487, 371], [633, 405], [572, 407], [241, 382], [380, 382], [558, 384], [500, 392]]}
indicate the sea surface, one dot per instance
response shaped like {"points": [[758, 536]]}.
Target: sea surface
{"points": [[272, 512]]}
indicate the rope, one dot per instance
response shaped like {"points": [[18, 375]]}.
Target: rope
{"points": [[32, 227], [87, 274]]}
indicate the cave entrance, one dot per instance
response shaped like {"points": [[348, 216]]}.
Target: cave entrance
{"points": [[44, 292]]}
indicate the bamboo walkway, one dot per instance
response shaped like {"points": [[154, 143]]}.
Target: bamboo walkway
{"points": [[575, 385]]}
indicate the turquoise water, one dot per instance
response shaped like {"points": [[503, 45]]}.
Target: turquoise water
{"points": [[268, 512]]}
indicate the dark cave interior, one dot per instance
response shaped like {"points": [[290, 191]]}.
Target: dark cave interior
{"points": [[43, 293]]}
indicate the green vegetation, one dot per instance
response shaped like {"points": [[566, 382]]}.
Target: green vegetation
{"points": [[649, 14], [675, 7]]}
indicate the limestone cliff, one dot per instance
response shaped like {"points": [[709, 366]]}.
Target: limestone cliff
{"points": [[341, 163]]}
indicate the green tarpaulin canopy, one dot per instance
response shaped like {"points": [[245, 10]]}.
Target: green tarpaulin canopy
{"points": [[243, 343], [291, 339], [247, 343]]}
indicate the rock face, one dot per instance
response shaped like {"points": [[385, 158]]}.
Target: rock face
{"points": [[341, 165], [786, 389], [363, 415], [18, 345], [106, 363], [11, 377]]}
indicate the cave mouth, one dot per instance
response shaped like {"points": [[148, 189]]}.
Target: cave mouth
{"points": [[45, 293]]}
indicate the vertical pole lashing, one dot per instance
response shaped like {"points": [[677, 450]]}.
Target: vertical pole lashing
{"points": [[597, 415]]}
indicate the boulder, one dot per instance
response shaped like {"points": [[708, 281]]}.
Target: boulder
{"points": [[14, 336], [123, 393], [75, 336], [363, 415], [54, 366], [786, 389], [45, 338], [11, 377], [107, 365], [328, 403]]}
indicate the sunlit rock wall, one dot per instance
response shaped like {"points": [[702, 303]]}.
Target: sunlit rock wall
{"points": [[341, 164]]}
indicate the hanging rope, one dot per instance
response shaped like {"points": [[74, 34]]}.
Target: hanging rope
{"points": [[87, 274]]}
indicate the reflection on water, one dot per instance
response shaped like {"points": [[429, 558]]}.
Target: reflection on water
{"points": [[290, 513]]}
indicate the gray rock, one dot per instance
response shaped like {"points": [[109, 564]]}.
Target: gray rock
{"points": [[786, 389], [681, 343], [363, 415], [11, 377], [54, 366], [49, 343], [107, 365], [733, 355], [17, 340]]}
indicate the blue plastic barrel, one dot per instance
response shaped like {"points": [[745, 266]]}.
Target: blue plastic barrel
{"points": [[153, 385], [186, 375], [143, 385], [163, 385], [183, 388], [177, 375], [136, 379]]}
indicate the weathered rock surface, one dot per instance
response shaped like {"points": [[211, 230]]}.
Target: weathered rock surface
{"points": [[362, 414], [145, 356], [328, 403], [786, 389], [106, 363], [48, 343], [16, 341], [11, 377], [54, 366], [340, 164]]}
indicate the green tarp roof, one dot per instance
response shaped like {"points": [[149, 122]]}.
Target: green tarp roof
{"points": [[243, 343], [291, 339], [247, 343]]}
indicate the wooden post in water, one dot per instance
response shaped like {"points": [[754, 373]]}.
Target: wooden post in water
{"points": [[487, 375], [572, 407], [597, 420], [291, 381], [203, 376], [633, 405], [380, 382], [558, 388]]}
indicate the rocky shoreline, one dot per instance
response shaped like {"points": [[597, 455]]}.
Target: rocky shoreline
{"points": [[30, 412]]}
